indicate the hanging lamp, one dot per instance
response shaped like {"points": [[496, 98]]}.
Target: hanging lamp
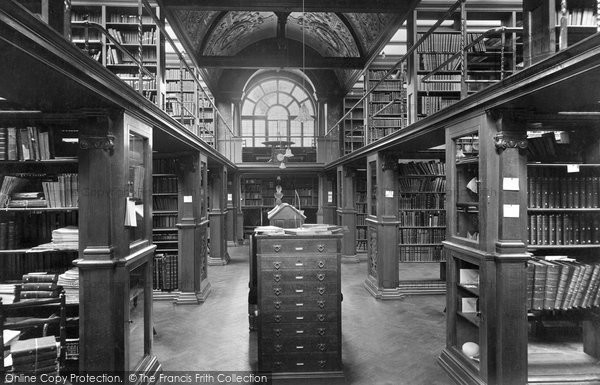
{"points": [[303, 114]]}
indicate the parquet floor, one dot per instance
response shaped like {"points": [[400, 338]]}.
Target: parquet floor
{"points": [[384, 342]]}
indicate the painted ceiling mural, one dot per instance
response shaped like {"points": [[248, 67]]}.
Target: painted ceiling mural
{"points": [[195, 24], [325, 32], [369, 26], [237, 30]]}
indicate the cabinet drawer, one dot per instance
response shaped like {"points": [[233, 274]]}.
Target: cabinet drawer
{"points": [[297, 246], [298, 290], [273, 304], [321, 329], [308, 275], [300, 345], [298, 317], [297, 262], [300, 362]]}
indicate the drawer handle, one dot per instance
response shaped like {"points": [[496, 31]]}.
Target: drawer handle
{"points": [[277, 265], [321, 290], [277, 332], [321, 331], [321, 317], [299, 331], [320, 276], [299, 363], [299, 264], [300, 304], [321, 304], [299, 277], [277, 318], [278, 348], [277, 248], [321, 264], [300, 318], [322, 363], [321, 248], [277, 304], [322, 347], [277, 277], [299, 347], [299, 248], [277, 291], [299, 290]]}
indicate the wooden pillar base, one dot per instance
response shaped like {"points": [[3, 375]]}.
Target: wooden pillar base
{"points": [[191, 298], [382, 293], [219, 261], [158, 295]]}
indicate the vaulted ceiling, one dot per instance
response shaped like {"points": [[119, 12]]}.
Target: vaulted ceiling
{"points": [[332, 40]]}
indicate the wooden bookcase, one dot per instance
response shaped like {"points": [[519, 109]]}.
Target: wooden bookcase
{"points": [[165, 215], [354, 124], [40, 153], [361, 211], [187, 103], [258, 199], [386, 105], [120, 19]]}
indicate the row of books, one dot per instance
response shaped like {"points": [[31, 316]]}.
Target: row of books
{"points": [[165, 272], [94, 17], [132, 37], [182, 86], [127, 18], [562, 284], [421, 185], [165, 165], [431, 104], [361, 219], [361, 233], [421, 201], [396, 108], [164, 184], [114, 56], [442, 82], [35, 357], [184, 97], [562, 191], [387, 96], [542, 147], [8, 235], [422, 218], [422, 235], [176, 109], [164, 221], [64, 192], [24, 143], [21, 231], [164, 237], [361, 245], [178, 74], [384, 123], [431, 61], [421, 254], [449, 43], [166, 203], [564, 229], [432, 167]]}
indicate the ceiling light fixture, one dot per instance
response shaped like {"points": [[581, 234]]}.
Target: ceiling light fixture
{"points": [[303, 114]]}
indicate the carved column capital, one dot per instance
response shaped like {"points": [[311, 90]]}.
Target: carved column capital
{"points": [[106, 143], [389, 162], [506, 139]]}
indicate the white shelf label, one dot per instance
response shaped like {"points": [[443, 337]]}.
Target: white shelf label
{"points": [[510, 184], [572, 168], [389, 193], [187, 199], [511, 211], [329, 196]]}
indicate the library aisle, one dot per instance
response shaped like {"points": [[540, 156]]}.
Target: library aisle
{"points": [[383, 342]]}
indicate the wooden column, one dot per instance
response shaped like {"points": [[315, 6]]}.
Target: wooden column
{"points": [[237, 207], [321, 199], [382, 232], [327, 197], [218, 254], [230, 215], [193, 286], [347, 213], [511, 256], [109, 251]]}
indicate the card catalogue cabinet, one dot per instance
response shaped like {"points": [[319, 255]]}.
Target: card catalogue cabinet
{"points": [[299, 303]]}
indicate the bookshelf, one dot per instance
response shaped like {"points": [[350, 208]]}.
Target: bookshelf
{"points": [[258, 198], [165, 214], [121, 22], [563, 236], [38, 195], [361, 211], [187, 103], [421, 210], [354, 124], [386, 105]]}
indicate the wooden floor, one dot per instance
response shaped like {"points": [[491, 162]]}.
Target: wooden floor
{"points": [[384, 342]]}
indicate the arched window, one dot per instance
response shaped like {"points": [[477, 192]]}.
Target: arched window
{"points": [[268, 112]]}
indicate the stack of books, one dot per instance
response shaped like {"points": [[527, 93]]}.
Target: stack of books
{"points": [[39, 285], [7, 293], [27, 200], [69, 281], [66, 238], [35, 356]]}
